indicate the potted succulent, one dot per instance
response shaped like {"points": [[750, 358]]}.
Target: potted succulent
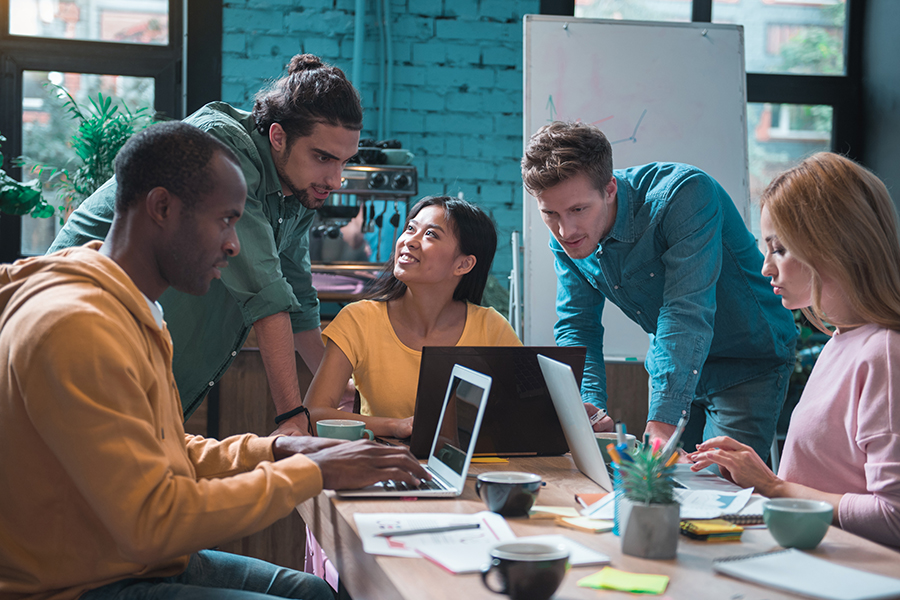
{"points": [[649, 513]]}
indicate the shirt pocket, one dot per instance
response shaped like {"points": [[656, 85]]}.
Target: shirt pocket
{"points": [[646, 278]]}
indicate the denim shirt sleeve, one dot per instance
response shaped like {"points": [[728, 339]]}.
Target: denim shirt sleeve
{"points": [[579, 311], [692, 232]]}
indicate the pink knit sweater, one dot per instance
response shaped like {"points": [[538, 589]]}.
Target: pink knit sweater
{"points": [[844, 435]]}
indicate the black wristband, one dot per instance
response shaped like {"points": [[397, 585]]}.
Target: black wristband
{"points": [[293, 413]]}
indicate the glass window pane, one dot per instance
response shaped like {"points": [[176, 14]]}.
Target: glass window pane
{"points": [[48, 127], [789, 36], [635, 10], [130, 21], [780, 136]]}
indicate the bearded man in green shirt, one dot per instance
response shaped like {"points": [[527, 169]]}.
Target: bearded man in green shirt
{"points": [[292, 148]]}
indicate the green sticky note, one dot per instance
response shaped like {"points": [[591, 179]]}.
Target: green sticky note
{"points": [[623, 581]]}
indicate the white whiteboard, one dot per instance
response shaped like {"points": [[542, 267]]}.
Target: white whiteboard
{"points": [[672, 92]]}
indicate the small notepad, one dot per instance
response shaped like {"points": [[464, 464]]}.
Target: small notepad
{"points": [[798, 572]]}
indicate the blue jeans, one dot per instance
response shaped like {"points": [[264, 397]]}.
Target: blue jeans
{"points": [[747, 412], [213, 575]]}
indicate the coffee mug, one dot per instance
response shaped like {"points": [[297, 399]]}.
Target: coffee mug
{"points": [[398, 156], [509, 493], [609, 437], [797, 523], [343, 429], [526, 570]]}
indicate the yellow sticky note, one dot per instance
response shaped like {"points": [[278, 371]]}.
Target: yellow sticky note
{"points": [[586, 524], [489, 459], [614, 579], [552, 512]]}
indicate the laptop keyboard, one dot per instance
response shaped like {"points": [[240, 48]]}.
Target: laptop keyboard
{"points": [[402, 486]]}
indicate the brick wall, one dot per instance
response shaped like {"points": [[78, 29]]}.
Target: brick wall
{"points": [[457, 94]]}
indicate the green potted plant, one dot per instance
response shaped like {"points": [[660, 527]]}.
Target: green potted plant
{"points": [[649, 513], [21, 198], [102, 130]]}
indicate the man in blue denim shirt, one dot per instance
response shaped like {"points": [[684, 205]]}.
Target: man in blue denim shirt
{"points": [[665, 243]]}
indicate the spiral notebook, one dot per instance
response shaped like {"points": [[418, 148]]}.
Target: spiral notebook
{"points": [[798, 572], [751, 514]]}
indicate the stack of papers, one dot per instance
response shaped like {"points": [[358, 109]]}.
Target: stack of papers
{"points": [[460, 551]]}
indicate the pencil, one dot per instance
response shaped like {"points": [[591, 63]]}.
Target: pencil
{"points": [[428, 530]]}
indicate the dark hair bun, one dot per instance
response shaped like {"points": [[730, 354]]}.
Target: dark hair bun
{"points": [[304, 62]]}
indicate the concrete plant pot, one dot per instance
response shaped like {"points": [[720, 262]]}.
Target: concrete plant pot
{"points": [[649, 530]]}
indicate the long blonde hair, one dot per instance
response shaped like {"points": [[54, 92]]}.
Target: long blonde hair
{"points": [[837, 218]]}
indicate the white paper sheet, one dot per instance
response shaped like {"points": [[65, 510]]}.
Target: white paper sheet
{"points": [[493, 529], [710, 504], [705, 479], [471, 558], [604, 508], [695, 504]]}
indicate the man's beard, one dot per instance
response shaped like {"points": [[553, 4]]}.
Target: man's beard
{"points": [[301, 195]]}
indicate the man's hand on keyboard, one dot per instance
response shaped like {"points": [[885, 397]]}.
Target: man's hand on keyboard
{"points": [[357, 464]]}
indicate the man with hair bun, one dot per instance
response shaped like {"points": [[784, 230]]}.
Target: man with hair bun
{"points": [[665, 243], [292, 147]]}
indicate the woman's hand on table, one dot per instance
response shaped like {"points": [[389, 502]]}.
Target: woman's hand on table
{"points": [[738, 463]]}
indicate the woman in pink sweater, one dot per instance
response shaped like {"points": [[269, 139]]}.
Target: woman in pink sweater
{"points": [[830, 230]]}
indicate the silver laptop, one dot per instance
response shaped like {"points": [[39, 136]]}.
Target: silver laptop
{"points": [[453, 444], [574, 419]]}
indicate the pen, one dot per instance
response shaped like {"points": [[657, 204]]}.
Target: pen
{"points": [[672, 445], [613, 453], [620, 432], [428, 530], [672, 459], [622, 449]]}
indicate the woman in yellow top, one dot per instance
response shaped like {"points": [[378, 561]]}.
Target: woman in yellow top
{"points": [[427, 295]]}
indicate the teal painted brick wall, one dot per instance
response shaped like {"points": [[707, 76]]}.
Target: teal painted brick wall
{"points": [[457, 97]]}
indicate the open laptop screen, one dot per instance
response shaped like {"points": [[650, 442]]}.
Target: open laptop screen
{"points": [[457, 424], [519, 418]]}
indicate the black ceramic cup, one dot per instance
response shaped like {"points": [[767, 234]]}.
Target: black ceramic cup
{"points": [[526, 570], [509, 493]]}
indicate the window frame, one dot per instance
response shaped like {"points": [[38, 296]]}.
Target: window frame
{"points": [[199, 62], [843, 93]]}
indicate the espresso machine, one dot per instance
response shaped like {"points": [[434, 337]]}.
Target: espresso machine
{"points": [[353, 233]]}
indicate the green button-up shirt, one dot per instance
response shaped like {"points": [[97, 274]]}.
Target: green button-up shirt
{"points": [[270, 275]]}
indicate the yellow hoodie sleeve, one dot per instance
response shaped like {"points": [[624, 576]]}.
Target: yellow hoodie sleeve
{"points": [[99, 391]]}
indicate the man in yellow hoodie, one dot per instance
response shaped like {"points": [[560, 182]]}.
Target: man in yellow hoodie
{"points": [[102, 492]]}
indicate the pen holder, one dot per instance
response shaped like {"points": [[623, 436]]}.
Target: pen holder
{"points": [[618, 490], [646, 511], [650, 530]]}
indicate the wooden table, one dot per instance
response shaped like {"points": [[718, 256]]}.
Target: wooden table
{"points": [[691, 577]]}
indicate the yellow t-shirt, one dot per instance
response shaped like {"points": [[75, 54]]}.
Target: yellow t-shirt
{"points": [[385, 371]]}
